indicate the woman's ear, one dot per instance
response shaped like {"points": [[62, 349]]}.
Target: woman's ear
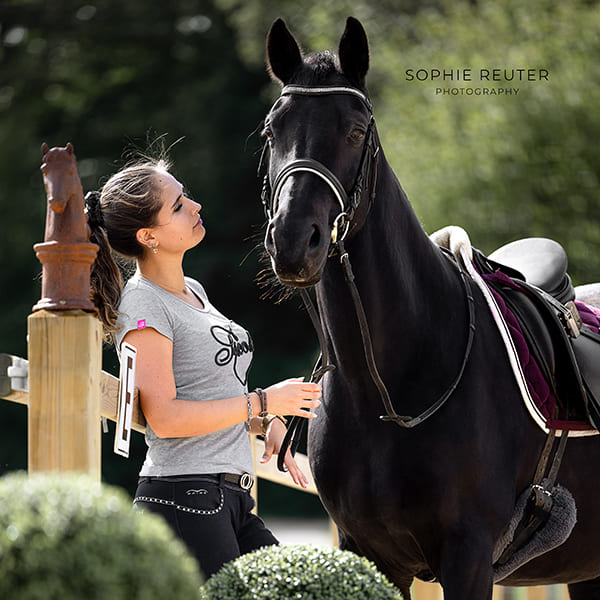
{"points": [[145, 237]]}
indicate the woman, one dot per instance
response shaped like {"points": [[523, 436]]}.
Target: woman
{"points": [[191, 369]]}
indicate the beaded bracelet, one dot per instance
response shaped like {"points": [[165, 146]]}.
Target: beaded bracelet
{"points": [[249, 401]]}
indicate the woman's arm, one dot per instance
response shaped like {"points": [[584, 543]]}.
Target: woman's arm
{"points": [[170, 417]]}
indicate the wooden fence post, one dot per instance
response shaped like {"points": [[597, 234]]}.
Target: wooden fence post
{"points": [[65, 336], [65, 363]]}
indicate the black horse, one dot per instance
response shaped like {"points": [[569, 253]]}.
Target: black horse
{"points": [[434, 498]]}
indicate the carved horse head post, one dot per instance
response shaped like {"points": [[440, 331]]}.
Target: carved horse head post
{"points": [[66, 253]]}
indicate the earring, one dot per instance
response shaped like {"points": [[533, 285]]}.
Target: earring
{"points": [[153, 248]]}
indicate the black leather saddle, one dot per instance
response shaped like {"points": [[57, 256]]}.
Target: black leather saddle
{"points": [[542, 262], [567, 353]]}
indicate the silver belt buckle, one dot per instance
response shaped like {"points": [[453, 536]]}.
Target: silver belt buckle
{"points": [[246, 481]]}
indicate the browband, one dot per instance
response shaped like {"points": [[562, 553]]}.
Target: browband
{"points": [[313, 91]]}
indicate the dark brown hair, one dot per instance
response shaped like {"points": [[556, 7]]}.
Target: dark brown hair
{"points": [[129, 201]]}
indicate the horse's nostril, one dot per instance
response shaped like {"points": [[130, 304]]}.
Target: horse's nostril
{"points": [[315, 238]]}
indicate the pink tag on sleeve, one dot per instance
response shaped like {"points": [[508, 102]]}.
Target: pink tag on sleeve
{"points": [[141, 324]]}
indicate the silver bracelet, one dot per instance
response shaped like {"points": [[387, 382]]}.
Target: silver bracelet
{"points": [[249, 401]]}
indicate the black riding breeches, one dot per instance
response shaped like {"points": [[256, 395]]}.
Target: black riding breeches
{"points": [[212, 516]]}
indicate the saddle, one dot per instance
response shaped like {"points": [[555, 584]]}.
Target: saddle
{"points": [[531, 277]]}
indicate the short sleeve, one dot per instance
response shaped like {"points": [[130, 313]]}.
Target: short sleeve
{"points": [[140, 309]]}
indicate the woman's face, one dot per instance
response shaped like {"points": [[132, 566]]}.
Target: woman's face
{"points": [[179, 226]]}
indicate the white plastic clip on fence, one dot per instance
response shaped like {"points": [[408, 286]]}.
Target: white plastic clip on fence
{"points": [[19, 374]]}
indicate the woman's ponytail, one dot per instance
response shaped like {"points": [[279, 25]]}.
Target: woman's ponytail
{"points": [[105, 277]]}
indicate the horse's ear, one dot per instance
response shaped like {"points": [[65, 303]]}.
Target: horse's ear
{"points": [[354, 52], [70, 148], [45, 149], [283, 53]]}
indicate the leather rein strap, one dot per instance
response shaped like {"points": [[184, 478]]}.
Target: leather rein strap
{"points": [[406, 422], [365, 182]]}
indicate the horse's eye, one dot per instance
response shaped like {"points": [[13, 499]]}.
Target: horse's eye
{"points": [[357, 135], [268, 133]]}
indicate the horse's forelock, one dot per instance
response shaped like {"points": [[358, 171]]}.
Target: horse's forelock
{"points": [[317, 68]]}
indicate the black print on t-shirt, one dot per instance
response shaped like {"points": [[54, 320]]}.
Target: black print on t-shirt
{"points": [[233, 349]]}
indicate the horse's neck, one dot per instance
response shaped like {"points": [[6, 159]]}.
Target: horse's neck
{"points": [[405, 283]]}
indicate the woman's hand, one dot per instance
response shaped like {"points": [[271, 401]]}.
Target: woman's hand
{"points": [[273, 440], [292, 396]]}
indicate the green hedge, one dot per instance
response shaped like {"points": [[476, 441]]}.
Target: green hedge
{"points": [[299, 572], [66, 537]]}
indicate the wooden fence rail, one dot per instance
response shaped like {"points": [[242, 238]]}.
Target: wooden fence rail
{"points": [[109, 393]]}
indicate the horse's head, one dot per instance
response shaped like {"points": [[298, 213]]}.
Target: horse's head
{"points": [[59, 169], [321, 136]]}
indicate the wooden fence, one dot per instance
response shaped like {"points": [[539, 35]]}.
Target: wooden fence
{"points": [[61, 421]]}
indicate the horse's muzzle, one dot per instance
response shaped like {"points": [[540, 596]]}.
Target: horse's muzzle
{"points": [[298, 256]]}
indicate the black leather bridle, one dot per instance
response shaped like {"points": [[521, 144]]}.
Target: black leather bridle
{"points": [[343, 224], [365, 177]]}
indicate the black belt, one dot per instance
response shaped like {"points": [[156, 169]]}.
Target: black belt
{"points": [[245, 480]]}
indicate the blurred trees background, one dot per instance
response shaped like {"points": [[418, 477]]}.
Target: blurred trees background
{"points": [[112, 77]]}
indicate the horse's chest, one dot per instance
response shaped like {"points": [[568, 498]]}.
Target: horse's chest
{"points": [[358, 477]]}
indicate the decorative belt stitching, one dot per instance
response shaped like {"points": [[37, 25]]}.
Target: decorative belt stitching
{"points": [[187, 509]]}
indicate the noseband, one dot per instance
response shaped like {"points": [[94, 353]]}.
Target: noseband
{"points": [[342, 225], [367, 169]]}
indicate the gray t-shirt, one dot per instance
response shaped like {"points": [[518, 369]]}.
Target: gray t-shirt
{"points": [[211, 360]]}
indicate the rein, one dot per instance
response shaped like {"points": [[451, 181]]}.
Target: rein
{"points": [[365, 182]]}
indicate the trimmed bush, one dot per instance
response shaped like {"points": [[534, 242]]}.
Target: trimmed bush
{"points": [[299, 572], [67, 537]]}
